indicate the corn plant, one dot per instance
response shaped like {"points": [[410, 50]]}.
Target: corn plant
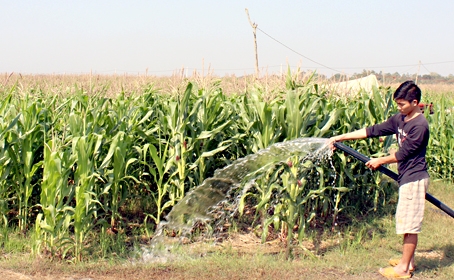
{"points": [[25, 153], [86, 203], [84, 148], [258, 119], [161, 167], [189, 130], [212, 117], [53, 224], [441, 143], [298, 114], [5, 168], [291, 196], [177, 124], [118, 174]]}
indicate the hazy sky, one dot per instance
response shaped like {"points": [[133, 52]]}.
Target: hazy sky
{"points": [[113, 36]]}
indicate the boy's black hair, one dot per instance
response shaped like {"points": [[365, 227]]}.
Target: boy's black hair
{"points": [[408, 91]]}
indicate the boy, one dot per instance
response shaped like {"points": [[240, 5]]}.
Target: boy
{"points": [[412, 131]]}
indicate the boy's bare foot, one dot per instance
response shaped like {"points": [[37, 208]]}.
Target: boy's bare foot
{"points": [[391, 273], [394, 262]]}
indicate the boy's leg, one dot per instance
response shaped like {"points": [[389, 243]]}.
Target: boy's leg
{"points": [[408, 253], [409, 216]]}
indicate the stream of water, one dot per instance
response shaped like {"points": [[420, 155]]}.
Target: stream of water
{"points": [[197, 205]]}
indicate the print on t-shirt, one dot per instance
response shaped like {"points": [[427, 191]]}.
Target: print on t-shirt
{"points": [[401, 136]]}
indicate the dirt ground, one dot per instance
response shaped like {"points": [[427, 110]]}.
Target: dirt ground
{"points": [[175, 274], [246, 244]]}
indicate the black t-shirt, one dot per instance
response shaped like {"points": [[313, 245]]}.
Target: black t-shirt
{"points": [[412, 137]]}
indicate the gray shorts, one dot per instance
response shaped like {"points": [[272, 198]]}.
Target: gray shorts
{"points": [[410, 207]]}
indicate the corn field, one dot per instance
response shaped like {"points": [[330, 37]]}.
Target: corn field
{"points": [[76, 163]]}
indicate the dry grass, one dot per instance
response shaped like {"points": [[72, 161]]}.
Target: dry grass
{"points": [[431, 89], [112, 85]]}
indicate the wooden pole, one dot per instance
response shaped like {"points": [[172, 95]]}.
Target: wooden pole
{"points": [[254, 30]]}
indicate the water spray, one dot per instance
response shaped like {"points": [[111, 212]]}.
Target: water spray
{"points": [[392, 175]]}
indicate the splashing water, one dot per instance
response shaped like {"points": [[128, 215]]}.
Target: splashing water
{"points": [[197, 205]]}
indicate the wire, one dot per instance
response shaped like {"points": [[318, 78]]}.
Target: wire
{"points": [[298, 52], [426, 68], [368, 67]]}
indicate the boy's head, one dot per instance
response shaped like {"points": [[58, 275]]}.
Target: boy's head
{"points": [[408, 91]]}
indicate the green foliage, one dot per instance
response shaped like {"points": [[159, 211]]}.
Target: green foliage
{"points": [[440, 152], [73, 164]]}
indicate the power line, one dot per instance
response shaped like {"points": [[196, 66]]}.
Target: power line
{"points": [[368, 67], [426, 68], [298, 52]]}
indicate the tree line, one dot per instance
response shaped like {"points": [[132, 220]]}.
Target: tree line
{"points": [[432, 78]]}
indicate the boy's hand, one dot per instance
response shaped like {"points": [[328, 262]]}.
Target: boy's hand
{"points": [[374, 163], [331, 142]]}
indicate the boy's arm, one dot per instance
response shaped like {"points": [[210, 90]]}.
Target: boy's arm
{"points": [[384, 128], [358, 134], [373, 163]]}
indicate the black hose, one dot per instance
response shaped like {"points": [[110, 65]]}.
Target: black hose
{"points": [[392, 175], [365, 159]]}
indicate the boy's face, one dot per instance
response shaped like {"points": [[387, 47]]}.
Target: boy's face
{"points": [[406, 107]]}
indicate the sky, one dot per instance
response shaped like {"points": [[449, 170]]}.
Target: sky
{"points": [[163, 37]]}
